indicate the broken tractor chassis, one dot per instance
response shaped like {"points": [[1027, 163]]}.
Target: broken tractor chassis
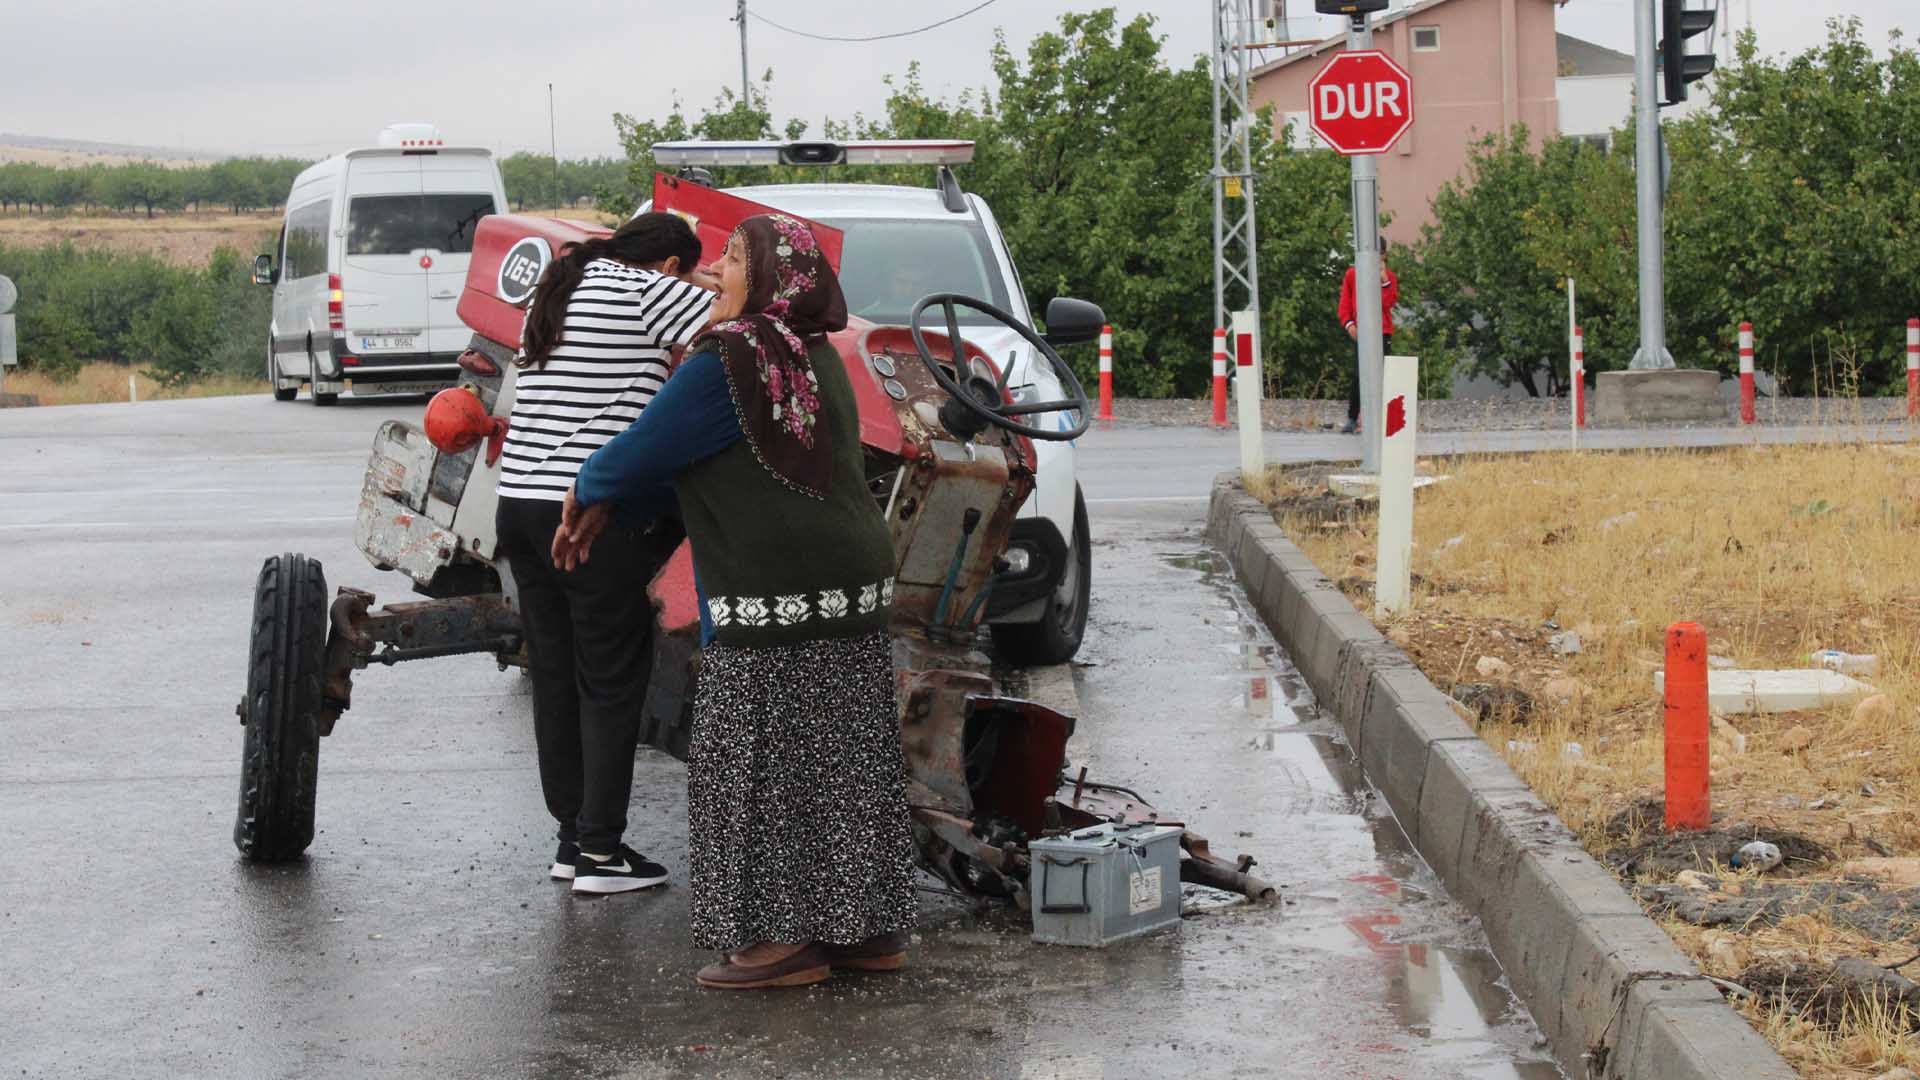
{"points": [[986, 773]]}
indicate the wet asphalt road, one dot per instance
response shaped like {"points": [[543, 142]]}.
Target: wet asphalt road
{"points": [[421, 937]]}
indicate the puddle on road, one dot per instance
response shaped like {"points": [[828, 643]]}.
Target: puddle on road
{"points": [[1423, 960]]}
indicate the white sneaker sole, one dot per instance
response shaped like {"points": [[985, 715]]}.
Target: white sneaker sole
{"points": [[561, 871], [599, 885]]}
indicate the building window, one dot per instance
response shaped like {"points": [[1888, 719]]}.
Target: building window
{"points": [[1601, 143], [1300, 133], [1426, 39]]}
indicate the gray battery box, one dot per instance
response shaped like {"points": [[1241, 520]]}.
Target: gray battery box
{"points": [[1104, 883]]}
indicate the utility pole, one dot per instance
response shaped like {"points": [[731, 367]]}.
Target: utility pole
{"points": [[553, 148], [1366, 274], [740, 16], [1236, 275], [1652, 354]]}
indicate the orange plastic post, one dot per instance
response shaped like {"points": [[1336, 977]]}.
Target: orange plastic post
{"points": [[1688, 806], [1106, 373]]}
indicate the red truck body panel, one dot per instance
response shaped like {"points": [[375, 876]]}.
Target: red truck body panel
{"points": [[713, 214]]}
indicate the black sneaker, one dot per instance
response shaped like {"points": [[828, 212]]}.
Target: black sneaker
{"points": [[625, 872], [563, 861]]}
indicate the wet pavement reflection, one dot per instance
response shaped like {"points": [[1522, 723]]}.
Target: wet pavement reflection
{"points": [[421, 938]]}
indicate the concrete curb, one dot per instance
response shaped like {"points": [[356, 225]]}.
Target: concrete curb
{"points": [[1610, 990]]}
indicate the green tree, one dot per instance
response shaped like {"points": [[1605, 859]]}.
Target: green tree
{"points": [[236, 184], [528, 179], [1094, 154], [1794, 207], [1501, 316], [141, 185], [1305, 231]]}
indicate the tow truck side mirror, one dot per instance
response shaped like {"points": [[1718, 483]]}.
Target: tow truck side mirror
{"points": [[1073, 322], [263, 269]]}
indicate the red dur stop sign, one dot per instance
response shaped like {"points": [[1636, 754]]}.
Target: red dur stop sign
{"points": [[1361, 102]]}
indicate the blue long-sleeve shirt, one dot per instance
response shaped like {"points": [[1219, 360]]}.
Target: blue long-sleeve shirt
{"points": [[689, 420]]}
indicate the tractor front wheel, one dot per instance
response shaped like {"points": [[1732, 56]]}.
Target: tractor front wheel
{"points": [[280, 753]]}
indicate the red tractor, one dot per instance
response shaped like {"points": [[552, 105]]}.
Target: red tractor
{"points": [[949, 458]]}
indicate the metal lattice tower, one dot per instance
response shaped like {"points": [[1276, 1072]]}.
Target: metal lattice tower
{"points": [[1236, 278]]}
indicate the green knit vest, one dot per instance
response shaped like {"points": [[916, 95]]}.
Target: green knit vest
{"points": [[779, 567]]}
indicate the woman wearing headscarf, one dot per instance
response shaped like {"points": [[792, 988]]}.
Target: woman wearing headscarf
{"points": [[801, 851]]}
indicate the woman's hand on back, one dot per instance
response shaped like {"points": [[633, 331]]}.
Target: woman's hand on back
{"points": [[579, 528]]}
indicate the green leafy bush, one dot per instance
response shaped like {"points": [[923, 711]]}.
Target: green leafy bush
{"points": [[178, 323]]}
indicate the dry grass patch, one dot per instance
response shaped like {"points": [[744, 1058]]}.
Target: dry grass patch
{"points": [[180, 238], [1777, 551], [105, 382]]}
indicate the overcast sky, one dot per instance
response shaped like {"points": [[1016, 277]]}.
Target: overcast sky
{"points": [[308, 79]]}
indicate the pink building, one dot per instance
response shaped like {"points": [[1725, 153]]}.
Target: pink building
{"points": [[1478, 67]]}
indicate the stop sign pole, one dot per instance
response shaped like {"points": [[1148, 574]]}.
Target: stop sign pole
{"points": [[1361, 105]]}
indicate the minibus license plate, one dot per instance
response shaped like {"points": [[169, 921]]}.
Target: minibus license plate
{"points": [[372, 342]]}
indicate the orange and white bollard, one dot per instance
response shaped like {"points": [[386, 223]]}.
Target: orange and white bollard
{"points": [[1746, 373], [1913, 368], [1577, 376], [1687, 753], [1106, 373], [1219, 376]]}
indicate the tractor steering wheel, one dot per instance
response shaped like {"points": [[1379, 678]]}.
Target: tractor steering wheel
{"points": [[983, 401]]}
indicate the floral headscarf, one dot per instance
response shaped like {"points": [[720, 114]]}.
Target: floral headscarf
{"points": [[792, 296]]}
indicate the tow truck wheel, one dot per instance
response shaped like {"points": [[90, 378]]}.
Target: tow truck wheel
{"points": [[280, 753], [1056, 636]]}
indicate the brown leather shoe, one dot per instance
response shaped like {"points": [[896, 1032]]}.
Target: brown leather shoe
{"points": [[809, 965], [887, 952]]}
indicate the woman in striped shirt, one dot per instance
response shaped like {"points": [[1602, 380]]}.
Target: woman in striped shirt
{"points": [[594, 352]]}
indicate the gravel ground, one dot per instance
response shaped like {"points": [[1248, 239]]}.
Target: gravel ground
{"points": [[1294, 414]]}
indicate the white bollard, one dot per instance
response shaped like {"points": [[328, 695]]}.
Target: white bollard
{"points": [[1246, 387], [1576, 381], [133, 392], [1400, 420]]}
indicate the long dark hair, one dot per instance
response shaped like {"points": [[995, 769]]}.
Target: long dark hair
{"points": [[648, 238]]}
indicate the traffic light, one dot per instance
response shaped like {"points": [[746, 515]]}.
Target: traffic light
{"points": [[1679, 67], [1348, 7]]}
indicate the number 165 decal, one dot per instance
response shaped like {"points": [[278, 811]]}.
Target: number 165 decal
{"points": [[520, 270]]}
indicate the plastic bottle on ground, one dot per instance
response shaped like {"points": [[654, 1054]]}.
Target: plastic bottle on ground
{"points": [[1847, 663]]}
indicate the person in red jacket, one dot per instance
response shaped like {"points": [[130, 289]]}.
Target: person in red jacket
{"points": [[1349, 318]]}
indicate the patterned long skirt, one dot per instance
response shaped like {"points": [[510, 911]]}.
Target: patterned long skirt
{"points": [[796, 795]]}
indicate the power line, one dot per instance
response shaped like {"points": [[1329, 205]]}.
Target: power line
{"points": [[874, 37]]}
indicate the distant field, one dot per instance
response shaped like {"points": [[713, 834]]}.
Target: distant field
{"points": [[181, 238], [104, 382], [65, 156]]}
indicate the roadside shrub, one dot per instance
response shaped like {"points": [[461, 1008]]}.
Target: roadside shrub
{"points": [[178, 323]]}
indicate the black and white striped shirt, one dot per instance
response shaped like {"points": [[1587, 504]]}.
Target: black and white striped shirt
{"points": [[611, 360]]}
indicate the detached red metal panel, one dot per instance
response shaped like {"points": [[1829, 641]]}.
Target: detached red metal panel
{"points": [[715, 214]]}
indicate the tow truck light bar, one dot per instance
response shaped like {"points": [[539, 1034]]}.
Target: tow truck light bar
{"points": [[866, 152]]}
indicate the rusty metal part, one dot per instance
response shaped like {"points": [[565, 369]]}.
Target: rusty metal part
{"points": [[1014, 752], [933, 727], [1090, 803], [1203, 867], [410, 631], [401, 524]]}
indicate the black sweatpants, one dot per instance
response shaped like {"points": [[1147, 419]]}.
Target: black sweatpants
{"points": [[1353, 389], [590, 647]]}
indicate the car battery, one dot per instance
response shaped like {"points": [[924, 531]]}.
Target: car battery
{"points": [[1103, 883]]}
